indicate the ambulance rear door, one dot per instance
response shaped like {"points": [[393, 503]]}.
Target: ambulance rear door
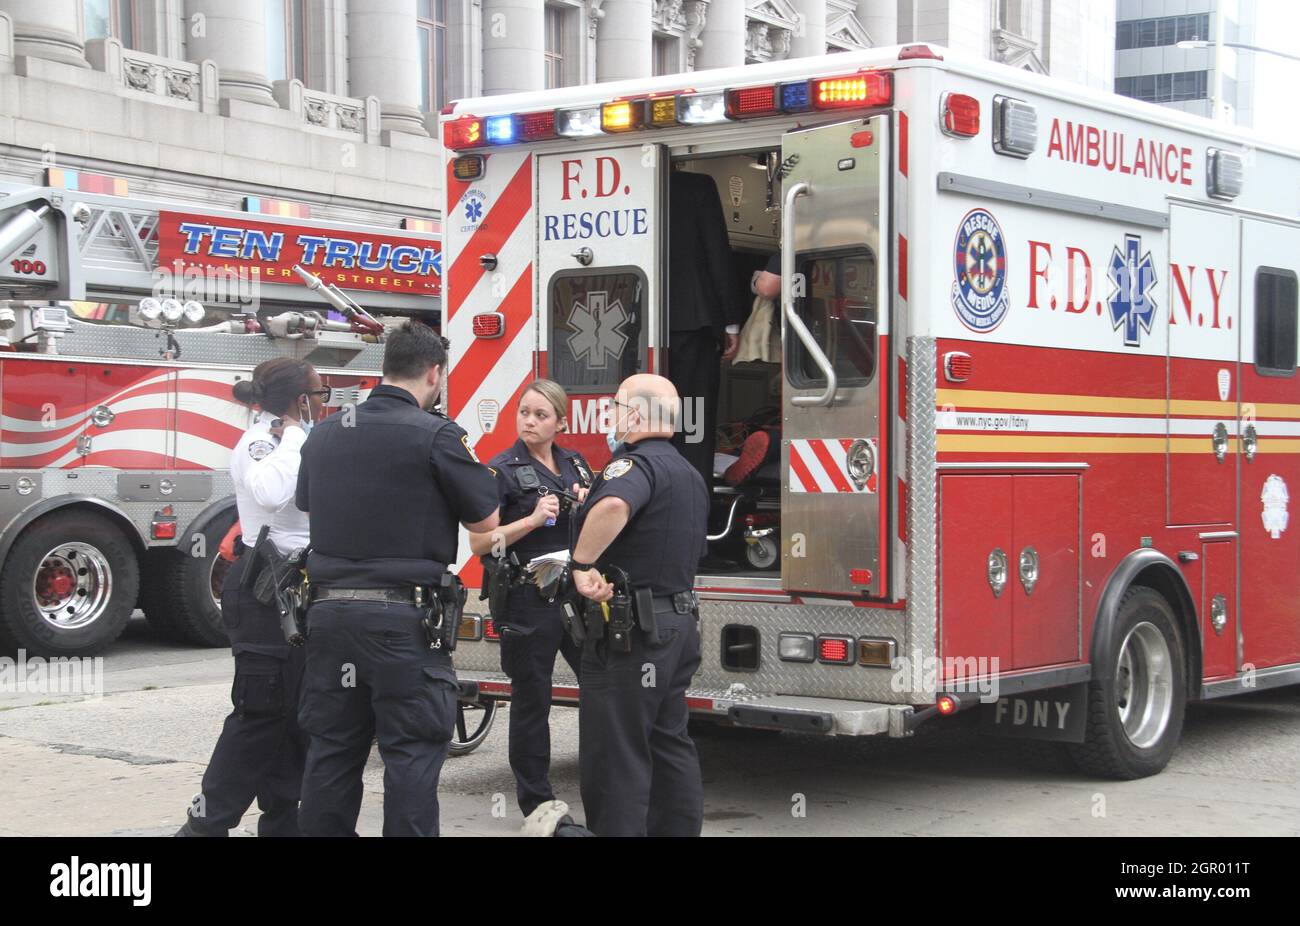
{"points": [[835, 281], [598, 253]]}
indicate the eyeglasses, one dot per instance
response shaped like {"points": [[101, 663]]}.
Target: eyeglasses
{"points": [[321, 393]]}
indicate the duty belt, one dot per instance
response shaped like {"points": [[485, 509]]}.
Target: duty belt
{"points": [[681, 602], [400, 595]]}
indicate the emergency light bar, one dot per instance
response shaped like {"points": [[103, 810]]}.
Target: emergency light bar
{"points": [[863, 89]]}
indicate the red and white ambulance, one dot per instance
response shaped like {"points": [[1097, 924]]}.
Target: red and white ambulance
{"points": [[1039, 409]]}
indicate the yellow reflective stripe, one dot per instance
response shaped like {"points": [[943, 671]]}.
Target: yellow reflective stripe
{"points": [[1050, 443]]}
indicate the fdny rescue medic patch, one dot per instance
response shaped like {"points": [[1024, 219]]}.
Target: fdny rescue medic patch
{"points": [[260, 449], [617, 468], [979, 290]]}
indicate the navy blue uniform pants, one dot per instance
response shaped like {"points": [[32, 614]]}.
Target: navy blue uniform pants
{"points": [[259, 755], [640, 771], [370, 674], [530, 638]]}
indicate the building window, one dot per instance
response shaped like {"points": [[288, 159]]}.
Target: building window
{"points": [[1275, 321], [554, 47], [666, 59], [110, 18], [1158, 33], [286, 39], [1165, 88], [431, 21]]}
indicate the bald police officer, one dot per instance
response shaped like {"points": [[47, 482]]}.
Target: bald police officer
{"points": [[385, 491], [647, 515]]}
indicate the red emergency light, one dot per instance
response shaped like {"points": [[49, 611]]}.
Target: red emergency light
{"points": [[872, 88], [835, 650], [490, 631], [536, 126], [489, 325], [749, 102], [465, 132], [961, 115], [947, 704]]}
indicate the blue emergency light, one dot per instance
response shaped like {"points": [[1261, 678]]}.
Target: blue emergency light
{"points": [[796, 97], [500, 130]]}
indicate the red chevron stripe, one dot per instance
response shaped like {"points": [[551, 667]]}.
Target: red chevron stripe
{"points": [[495, 230], [482, 354]]}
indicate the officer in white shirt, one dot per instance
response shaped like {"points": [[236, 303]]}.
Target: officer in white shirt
{"points": [[261, 750]]}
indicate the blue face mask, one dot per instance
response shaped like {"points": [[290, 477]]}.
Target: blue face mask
{"points": [[614, 443]]}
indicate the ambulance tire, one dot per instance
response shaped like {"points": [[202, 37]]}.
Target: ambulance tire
{"points": [[182, 593], [81, 558], [1135, 716]]}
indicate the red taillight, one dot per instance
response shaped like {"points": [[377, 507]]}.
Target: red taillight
{"points": [[489, 325], [466, 132], [957, 366], [961, 115], [947, 704], [837, 650], [860, 576], [874, 88], [751, 101], [917, 51], [535, 126], [490, 629], [163, 530]]}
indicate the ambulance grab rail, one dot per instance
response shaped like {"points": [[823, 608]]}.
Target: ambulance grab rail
{"points": [[787, 303]]}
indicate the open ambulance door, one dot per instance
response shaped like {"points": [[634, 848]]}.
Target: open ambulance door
{"points": [[598, 244], [834, 286]]}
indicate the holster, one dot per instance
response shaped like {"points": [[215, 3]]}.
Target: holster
{"points": [[502, 573], [443, 612], [643, 603]]}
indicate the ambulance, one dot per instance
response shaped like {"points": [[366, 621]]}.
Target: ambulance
{"points": [[1036, 397]]}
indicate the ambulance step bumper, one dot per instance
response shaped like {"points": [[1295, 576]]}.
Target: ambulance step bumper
{"points": [[821, 715]]}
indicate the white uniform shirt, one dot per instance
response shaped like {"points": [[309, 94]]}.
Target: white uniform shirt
{"points": [[265, 470]]}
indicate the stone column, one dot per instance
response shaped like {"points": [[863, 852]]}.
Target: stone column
{"points": [[723, 39], [880, 19], [809, 36], [384, 61], [623, 43], [48, 29], [514, 46], [233, 34]]}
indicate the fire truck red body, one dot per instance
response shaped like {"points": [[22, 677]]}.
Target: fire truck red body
{"points": [[1038, 398], [116, 430]]}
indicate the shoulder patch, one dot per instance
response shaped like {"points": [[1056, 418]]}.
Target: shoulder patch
{"points": [[260, 449], [618, 468], [464, 439]]}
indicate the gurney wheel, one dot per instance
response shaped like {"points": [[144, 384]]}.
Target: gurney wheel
{"points": [[473, 723]]}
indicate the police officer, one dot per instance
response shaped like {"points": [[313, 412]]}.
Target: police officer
{"points": [[261, 749], [533, 522], [646, 514], [386, 484]]}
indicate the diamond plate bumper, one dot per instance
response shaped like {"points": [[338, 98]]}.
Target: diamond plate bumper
{"points": [[746, 708]]}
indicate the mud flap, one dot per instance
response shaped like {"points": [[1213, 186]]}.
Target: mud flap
{"points": [[1057, 714]]}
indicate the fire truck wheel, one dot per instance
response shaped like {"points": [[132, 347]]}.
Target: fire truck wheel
{"points": [[69, 585], [182, 594], [1135, 718]]}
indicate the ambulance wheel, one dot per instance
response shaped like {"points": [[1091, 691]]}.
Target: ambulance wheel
{"points": [[182, 594], [1135, 717], [473, 722], [69, 586], [761, 552]]}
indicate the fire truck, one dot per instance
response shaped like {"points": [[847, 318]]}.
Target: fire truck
{"points": [[1038, 404], [125, 324]]}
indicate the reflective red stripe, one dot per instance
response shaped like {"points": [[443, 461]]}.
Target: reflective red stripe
{"points": [[481, 355], [801, 470], [830, 467], [493, 232]]}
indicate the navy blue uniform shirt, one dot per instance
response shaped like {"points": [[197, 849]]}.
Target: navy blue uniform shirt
{"points": [[517, 502], [666, 532]]}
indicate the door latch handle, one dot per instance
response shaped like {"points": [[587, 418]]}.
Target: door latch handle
{"points": [[1029, 569], [1249, 442], [1219, 440], [997, 570]]}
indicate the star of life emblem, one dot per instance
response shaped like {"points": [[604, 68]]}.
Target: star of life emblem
{"points": [[1131, 305], [598, 330]]}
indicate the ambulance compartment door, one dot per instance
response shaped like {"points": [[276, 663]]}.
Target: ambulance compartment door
{"points": [[598, 254], [834, 286]]}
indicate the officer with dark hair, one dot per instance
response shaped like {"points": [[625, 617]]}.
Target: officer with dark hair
{"points": [[645, 518], [387, 484]]}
